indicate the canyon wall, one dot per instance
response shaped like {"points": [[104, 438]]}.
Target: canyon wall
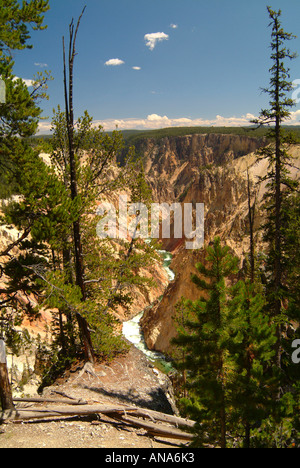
{"points": [[172, 163], [209, 169]]}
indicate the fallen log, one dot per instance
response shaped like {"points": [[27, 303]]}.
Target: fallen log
{"points": [[85, 409], [63, 394], [125, 414], [157, 416], [26, 414], [153, 428], [51, 400]]}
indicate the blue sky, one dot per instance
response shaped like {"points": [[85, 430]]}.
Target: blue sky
{"points": [[159, 63]]}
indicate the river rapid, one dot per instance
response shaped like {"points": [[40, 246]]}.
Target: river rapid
{"points": [[132, 330]]}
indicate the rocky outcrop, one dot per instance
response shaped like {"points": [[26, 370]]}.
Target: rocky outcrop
{"points": [[172, 163], [209, 169], [215, 175], [224, 194]]}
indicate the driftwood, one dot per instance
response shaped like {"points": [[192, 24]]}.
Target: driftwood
{"points": [[125, 414]]}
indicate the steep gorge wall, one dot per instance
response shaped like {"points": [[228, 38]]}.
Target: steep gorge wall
{"points": [[209, 169], [172, 163]]}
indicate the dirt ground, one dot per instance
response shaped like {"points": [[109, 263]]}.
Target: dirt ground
{"points": [[130, 379], [82, 433]]}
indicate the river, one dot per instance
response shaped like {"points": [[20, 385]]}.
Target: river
{"points": [[132, 330]]}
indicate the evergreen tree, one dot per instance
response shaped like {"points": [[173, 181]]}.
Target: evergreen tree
{"points": [[281, 234], [183, 315], [56, 210], [279, 183], [206, 349], [15, 20], [225, 346], [20, 113], [251, 347], [111, 266], [19, 120], [86, 162]]}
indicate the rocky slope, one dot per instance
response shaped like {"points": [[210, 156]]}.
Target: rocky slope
{"points": [[128, 380], [209, 169], [173, 163], [23, 368], [212, 170]]}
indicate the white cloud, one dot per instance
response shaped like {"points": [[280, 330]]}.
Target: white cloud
{"points": [[174, 26], [136, 68], [155, 117], [153, 38], [40, 64], [44, 127], [29, 83], [114, 62], [156, 121], [294, 118]]}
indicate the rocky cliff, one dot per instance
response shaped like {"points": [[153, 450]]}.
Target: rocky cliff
{"points": [[172, 163], [209, 169]]}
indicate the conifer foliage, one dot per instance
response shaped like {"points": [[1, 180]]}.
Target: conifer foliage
{"points": [[227, 347], [205, 357], [280, 186], [242, 386], [58, 262]]}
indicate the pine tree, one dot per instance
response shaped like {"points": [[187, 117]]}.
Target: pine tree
{"points": [[15, 20], [279, 183], [85, 159], [225, 346], [206, 357], [111, 267], [20, 113], [19, 120], [183, 315], [251, 347], [281, 236]]}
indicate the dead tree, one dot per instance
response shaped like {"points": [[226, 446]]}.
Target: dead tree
{"points": [[78, 254], [6, 398]]}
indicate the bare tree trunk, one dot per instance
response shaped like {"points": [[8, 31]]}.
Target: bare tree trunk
{"points": [[79, 266], [251, 215], [6, 398]]}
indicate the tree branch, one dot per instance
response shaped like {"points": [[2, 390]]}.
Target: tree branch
{"points": [[16, 243]]}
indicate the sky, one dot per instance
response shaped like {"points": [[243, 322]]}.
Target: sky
{"points": [[146, 64]]}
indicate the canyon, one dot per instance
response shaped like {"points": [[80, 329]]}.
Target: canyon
{"points": [[211, 169], [207, 168]]}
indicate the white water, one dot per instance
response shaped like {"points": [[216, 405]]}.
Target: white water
{"points": [[167, 262], [132, 330]]}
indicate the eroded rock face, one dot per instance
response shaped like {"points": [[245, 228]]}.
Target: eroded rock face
{"points": [[157, 323], [209, 169], [212, 170], [224, 194], [172, 163]]}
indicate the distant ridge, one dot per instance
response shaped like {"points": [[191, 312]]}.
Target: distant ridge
{"points": [[131, 135], [182, 131]]}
